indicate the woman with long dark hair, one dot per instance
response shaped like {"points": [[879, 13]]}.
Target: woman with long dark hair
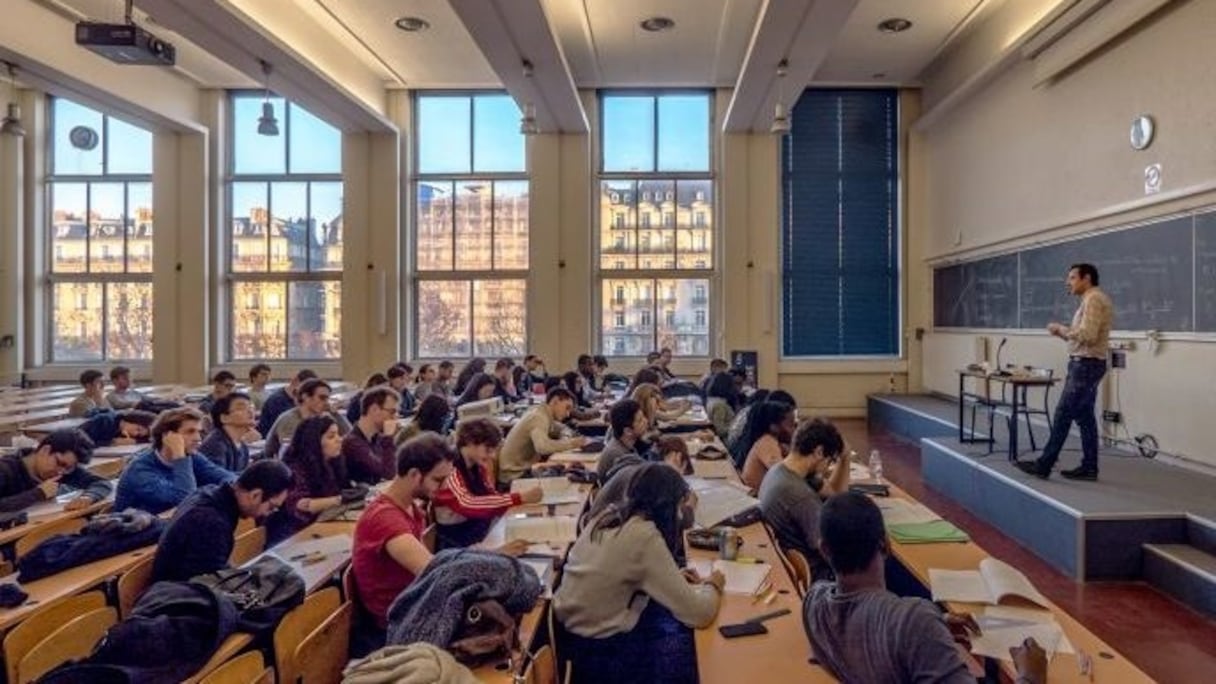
{"points": [[472, 368], [434, 414], [739, 424], [721, 402], [319, 473], [624, 603], [770, 427], [481, 386], [468, 504]]}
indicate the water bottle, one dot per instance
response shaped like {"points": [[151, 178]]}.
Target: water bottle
{"points": [[876, 466]]}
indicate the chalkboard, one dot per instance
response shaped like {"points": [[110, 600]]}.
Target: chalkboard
{"points": [[1205, 272], [1160, 276], [977, 294], [1145, 270]]}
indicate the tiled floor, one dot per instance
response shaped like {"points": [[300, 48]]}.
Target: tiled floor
{"points": [[1169, 641]]}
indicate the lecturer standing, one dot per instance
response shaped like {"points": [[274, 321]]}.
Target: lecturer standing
{"points": [[1088, 341]]}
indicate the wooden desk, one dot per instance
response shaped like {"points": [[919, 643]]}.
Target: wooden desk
{"points": [[37, 430], [68, 583], [49, 512], [918, 558], [1019, 382]]}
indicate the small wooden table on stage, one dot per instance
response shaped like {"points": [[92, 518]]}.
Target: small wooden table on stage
{"points": [[1018, 382]]}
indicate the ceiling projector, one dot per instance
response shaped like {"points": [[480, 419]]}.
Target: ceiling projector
{"points": [[125, 44]]}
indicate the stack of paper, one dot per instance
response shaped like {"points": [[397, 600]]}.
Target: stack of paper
{"points": [[713, 470], [741, 578], [718, 500], [556, 490], [1004, 628], [902, 511], [556, 529]]}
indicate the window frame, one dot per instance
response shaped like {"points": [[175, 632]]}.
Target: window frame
{"points": [[230, 277], [710, 274], [468, 276], [51, 277]]}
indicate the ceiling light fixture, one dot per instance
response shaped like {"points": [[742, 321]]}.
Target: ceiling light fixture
{"points": [[267, 124], [527, 123], [12, 120], [894, 25], [412, 24], [781, 118], [657, 24]]}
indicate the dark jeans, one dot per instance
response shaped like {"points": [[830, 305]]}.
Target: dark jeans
{"points": [[659, 650], [1077, 404]]}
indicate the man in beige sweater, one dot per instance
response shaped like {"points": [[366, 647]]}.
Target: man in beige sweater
{"points": [[533, 438]]}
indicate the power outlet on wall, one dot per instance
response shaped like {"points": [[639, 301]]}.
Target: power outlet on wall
{"points": [[1112, 417]]}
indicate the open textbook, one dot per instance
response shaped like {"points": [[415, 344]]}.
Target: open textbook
{"points": [[718, 500], [555, 490], [741, 578], [994, 583], [553, 530]]}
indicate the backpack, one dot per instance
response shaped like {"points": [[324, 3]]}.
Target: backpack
{"points": [[262, 591]]}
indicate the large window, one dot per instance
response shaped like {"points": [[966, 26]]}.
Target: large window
{"points": [[656, 223], [471, 227], [285, 235], [840, 225], [100, 242]]}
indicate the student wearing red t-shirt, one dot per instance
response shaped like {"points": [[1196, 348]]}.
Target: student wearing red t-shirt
{"points": [[467, 504], [388, 549]]}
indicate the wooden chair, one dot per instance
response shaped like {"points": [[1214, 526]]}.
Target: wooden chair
{"points": [[132, 583], [320, 623], [542, 668], [323, 653], [802, 570], [45, 531], [41, 623], [246, 668], [74, 639], [244, 525], [248, 545], [109, 469]]}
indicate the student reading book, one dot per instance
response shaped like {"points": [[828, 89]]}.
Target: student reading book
{"points": [[994, 583]]}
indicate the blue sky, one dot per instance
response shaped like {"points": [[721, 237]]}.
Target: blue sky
{"points": [[629, 132], [469, 134]]}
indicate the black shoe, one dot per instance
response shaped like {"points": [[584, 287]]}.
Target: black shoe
{"points": [[1080, 473], [1033, 468]]}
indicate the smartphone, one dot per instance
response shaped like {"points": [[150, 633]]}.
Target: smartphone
{"points": [[742, 629]]}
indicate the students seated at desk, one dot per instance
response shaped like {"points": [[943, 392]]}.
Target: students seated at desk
{"points": [[368, 448], [318, 471], [93, 396], [160, 477], [259, 377], [426, 383], [627, 424], [537, 375], [355, 408], [199, 538], [467, 504], [388, 552], [476, 366], [434, 414], [223, 383], [787, 501], [574, 382], [860, 632], [400, 375], [282, 401], [107, 428], [715, 366], [227, 444], [313, 401], [504, 380], [722, 401], [478, 387], [622, 597], [767, 439], [31, 477], [674, 453], [536, 436], [123, 396]]}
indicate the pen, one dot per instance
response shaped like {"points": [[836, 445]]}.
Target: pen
{"points": [[769, 616], [748, 559], [761, 590]]}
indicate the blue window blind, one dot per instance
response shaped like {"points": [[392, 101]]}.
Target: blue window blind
{"points": [[840, 225]]}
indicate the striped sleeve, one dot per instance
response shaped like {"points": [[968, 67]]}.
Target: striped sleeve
{"points": [[456, 496]]}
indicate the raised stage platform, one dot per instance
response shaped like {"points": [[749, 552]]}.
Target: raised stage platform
{"points": [[1143, 519]]}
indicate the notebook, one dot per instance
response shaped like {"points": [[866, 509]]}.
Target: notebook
{"points": [[555, 490], [717, 501], [1004, 627], [934, 532], [557, 529], [994, 583], [741, 578]]}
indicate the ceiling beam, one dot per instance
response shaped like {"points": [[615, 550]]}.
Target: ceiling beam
{"points": [[511, 31], [307, 68], [802, 32]]}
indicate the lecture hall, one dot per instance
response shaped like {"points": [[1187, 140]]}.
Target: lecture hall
{"points": [[712, 341]]}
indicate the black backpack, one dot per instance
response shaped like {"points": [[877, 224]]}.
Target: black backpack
{"points": [[262, 591]]}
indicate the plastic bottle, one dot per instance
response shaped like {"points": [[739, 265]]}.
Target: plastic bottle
{"points": [[876, 466]]}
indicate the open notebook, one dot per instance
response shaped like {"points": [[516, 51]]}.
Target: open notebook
{"points": [[556, 490], [718, 500], [553, 530], [994, 583], [741, 578]]}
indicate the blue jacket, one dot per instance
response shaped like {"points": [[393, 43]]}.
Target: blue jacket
{"points": [[222, 452], [102, 428], [276, 404], [149, 485]]}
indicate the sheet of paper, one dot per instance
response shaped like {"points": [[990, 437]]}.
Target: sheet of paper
{"points": [[1009, 614], [965, 586], [742, 578], [1005, 628], [331, 545], [556, 490], [713, 470], [718, 502], [558, 529], [858, 472], [900, 511], [569, 457]]}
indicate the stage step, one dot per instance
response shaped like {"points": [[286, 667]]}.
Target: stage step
{"points": [[1201, 534], [1184, 572]]}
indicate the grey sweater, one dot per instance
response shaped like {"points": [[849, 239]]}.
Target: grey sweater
{"points": [[609, 579]]}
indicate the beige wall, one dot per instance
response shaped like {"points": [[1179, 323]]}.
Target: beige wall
{"points": [[11, 271], [1014, 165]]}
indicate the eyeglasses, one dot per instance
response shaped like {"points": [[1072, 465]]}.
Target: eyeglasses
{"points": [[323, 397]]}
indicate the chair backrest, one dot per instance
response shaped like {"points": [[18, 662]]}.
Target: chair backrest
{"points": [[802, 569], [297, 625], [247, 545], [246, 668], [542, 668], [109, 468], [74, 639], [41, 623], [42, 532], [244, 525], [132, 583], [322, 655]]}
